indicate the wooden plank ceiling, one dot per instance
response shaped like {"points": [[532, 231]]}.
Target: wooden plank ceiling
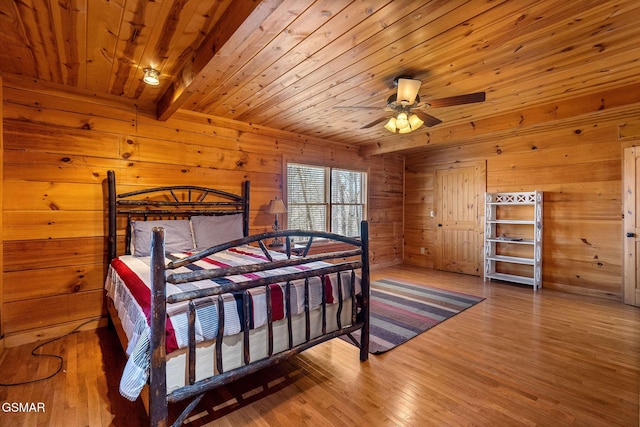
{"points": [[287, 64]]}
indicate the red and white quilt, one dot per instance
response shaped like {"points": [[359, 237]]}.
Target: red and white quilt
{"points": [[128, 285]]}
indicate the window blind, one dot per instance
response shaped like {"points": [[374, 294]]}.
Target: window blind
{"points": [[325, 199]]}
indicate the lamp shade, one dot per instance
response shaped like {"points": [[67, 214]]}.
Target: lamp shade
{"points": [[391, 125], [408, 90], [276, 207], [402, 121], [415, 122]]}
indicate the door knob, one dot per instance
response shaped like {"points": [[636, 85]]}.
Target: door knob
{"points": [[630, 234]]}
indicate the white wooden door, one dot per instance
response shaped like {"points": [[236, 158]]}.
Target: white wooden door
{"points": [[631, 227], [460, 191]]}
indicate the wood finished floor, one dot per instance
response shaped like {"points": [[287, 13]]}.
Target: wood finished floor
{"points": [[517, 358]]}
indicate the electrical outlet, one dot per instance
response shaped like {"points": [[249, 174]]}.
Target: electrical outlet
{"points": [[422, 251]]}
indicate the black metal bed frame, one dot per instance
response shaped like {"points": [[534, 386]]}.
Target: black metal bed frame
{"points": [[171, 203]]}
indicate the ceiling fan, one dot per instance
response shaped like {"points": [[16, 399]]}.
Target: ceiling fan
{"points": [[405, 103]]}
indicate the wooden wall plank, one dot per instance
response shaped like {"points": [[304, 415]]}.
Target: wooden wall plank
{"points": [[52, 196], [28, 225], [20, 135], [54, 253], [83, 169], [48, 311], [196, 155], [38, 283], [596, 171]]}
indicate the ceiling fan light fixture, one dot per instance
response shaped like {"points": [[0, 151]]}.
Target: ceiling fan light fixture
{"points": [[415, 122], [151, 76], [408, 90], [391, 125], [406, 99], [402, 121]]}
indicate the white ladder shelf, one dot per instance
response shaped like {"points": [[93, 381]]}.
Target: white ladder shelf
{"points": [[513, 237]]}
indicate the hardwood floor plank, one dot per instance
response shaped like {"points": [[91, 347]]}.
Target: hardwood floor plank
{"points": [[517, 358]]}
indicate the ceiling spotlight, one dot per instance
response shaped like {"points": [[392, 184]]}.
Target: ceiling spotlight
{"points": [[151, 76]]}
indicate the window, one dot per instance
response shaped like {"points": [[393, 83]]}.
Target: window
{"points": [[325, 199]]}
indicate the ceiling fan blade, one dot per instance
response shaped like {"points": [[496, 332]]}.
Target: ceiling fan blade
{"points": [[375, 122], [469, 98], [428, 120]]}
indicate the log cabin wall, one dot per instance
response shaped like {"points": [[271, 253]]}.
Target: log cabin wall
{"points": [[57, 149], [576, 161], [1, 233]]}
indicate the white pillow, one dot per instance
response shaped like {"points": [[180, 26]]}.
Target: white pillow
{"points": [[177, 236], [210, 231]]}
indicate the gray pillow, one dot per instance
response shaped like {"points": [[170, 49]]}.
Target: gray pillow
{"points": [[177, 236], [210, 231]]}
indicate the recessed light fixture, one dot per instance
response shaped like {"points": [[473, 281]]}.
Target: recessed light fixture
{"points": [[151, 76]]}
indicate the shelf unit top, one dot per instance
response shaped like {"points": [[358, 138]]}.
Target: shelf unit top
{"points": [[520, 198]]}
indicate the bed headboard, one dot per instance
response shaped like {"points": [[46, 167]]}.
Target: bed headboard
{"points": [[172, 202]]}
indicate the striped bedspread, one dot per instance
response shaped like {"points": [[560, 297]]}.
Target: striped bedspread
{"points": [[128, 285]]}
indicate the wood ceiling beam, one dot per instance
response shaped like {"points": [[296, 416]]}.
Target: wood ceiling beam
{"points": [[492, 126], [242, 17]]}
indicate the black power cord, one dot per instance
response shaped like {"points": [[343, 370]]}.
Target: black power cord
{"points": [[55, 356]]}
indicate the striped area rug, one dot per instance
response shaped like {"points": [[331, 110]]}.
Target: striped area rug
{"points": [[400, 311]]}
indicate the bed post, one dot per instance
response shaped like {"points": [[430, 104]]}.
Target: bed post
{"points": [[366, 293], [158, 411], [111, 238], [245, 209]]}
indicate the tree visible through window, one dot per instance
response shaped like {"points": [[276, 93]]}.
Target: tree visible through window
{"points": [[325, 199]]}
